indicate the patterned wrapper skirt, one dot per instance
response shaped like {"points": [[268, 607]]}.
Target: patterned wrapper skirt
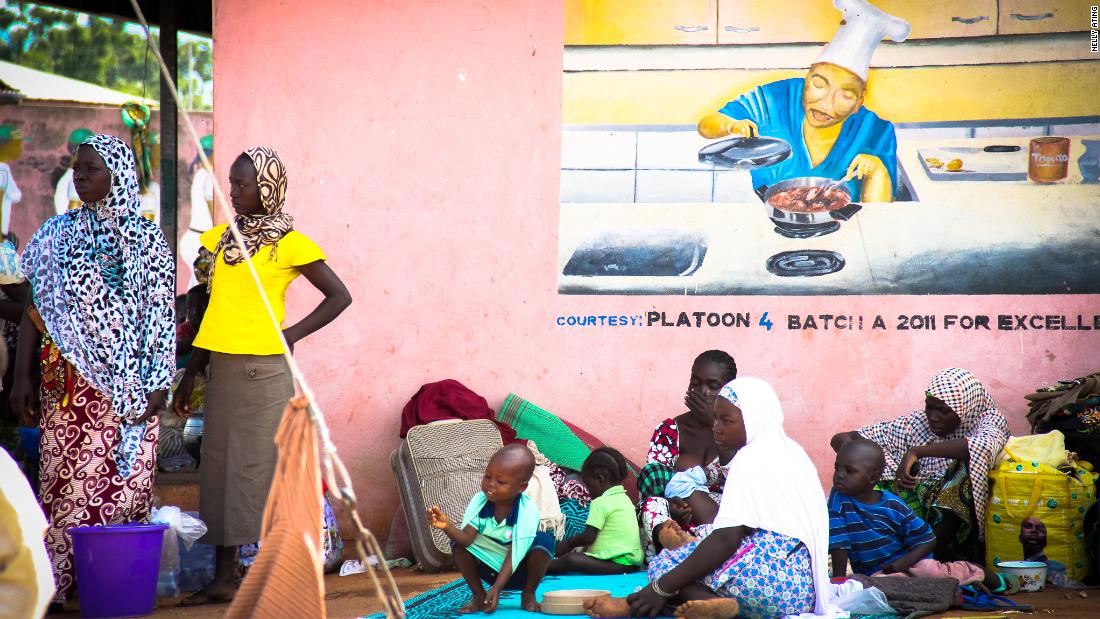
{"points": [[244, 402], [935, 500], [79, 479], [769, 576]]}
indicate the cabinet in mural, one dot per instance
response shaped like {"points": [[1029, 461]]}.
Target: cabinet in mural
{"points": [[778, 21], [640, 22], [1043, 16], [747, 22], [942, 19]]}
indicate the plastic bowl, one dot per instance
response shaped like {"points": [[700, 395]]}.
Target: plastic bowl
{"points": [[1031, 575], [570, 601]]}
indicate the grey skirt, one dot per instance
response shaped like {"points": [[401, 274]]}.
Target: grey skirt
{"points": [[244, 402]]}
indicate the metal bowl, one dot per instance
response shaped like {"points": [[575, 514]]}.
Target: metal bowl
{"points": [[192, 436], [799, 217]]}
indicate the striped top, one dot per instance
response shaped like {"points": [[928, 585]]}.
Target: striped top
{"points": [[874, 535]]}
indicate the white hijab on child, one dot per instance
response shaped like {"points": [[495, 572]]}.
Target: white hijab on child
{"points": [[771, 484]]}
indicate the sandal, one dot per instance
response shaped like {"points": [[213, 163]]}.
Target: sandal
{"points": [[974, 600]]}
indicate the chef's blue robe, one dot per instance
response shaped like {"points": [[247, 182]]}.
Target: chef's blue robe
{"points": [[777, 110]]}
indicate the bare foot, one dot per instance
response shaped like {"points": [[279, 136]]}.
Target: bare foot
{"points": [[528, 603], [474, 605], [717, 608], [607, 607], [672, 536]]}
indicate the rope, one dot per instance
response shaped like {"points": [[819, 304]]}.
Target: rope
{"points": [[335, 473]]}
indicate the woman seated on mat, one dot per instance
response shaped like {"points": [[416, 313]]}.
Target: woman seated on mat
{"points": [[772, 527], [610, 539], [681, 444], [938, 460]]}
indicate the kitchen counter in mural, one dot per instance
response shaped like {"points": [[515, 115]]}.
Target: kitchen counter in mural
{"points": [[970, 236]]}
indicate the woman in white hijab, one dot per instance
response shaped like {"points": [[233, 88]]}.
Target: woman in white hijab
{"points": [[766, 555]]}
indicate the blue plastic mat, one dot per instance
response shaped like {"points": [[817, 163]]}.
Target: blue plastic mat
{"points": [[444, 602]]}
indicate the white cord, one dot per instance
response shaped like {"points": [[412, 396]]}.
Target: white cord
{"points": [[335, 473]]}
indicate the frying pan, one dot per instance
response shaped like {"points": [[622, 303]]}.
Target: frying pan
{"points": [[820, 217]]}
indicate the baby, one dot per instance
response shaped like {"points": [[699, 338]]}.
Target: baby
{"points": [[611, 539], [876, 530], [499, 541]]}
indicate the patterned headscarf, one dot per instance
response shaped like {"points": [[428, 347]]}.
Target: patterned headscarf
{"points": [[273, 224], [981, 424], [103, 281]]}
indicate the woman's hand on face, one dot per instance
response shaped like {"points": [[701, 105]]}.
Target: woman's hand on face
{"points": [[907, 469], [155, 402], [697, 404], [646, 602]]}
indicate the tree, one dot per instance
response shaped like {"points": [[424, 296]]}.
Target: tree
{"points": [[100, 50]]}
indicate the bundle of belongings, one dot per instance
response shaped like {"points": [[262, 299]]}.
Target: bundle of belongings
{"points": [[1073, 408]]}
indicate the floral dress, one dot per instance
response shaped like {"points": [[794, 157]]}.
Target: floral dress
{"points": [[664, 451], [769, 576]]}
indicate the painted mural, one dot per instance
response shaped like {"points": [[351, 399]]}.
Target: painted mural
{"points": [[829, 147]]}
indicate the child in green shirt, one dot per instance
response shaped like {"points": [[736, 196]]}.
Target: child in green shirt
{"points": [[499, 541], [612, 541]]}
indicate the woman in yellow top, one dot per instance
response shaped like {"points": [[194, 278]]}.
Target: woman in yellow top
{"points": [[249, 382]]}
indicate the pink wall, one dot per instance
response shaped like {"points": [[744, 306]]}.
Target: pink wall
{"points": [[422, 143], [48, 126]]}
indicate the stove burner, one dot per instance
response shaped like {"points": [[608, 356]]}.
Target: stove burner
{"points": [[807, 263], [805, 231]]}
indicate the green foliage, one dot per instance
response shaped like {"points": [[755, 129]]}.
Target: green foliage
{"points": [[103, 51]]}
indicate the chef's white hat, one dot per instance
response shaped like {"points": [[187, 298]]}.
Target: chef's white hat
{"points": [[864, 26]]}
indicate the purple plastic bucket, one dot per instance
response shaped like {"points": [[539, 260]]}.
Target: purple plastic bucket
{"points": [[116, 568]]}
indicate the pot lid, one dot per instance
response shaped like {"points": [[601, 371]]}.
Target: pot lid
{"points": [[745, 153]]}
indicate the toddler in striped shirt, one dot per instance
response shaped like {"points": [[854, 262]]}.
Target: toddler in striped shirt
{"points": [[876, 531]]}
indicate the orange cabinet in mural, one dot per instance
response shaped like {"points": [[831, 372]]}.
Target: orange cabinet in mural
{"points": [[941, 19], [777, 21], [747, 22], [640, 22], [1041, 16]]}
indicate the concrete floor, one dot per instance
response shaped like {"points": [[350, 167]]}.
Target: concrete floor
{"points": [[352, 596]]}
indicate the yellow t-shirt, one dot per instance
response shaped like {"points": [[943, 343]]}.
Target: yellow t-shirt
{"points": [[236, 321]]}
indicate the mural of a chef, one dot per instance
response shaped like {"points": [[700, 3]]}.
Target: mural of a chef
{"points": [[822, 115]]}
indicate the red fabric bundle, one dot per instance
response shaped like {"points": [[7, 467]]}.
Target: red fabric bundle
{"points": [[449, 399]]}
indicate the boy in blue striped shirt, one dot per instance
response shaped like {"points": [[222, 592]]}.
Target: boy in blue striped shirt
{"points": [[875, 530]]}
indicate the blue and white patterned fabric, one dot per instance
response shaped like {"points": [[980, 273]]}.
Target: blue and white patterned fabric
{"points": [[770, 575], [103, 281]]}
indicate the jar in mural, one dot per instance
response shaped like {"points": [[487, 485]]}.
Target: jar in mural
{"points": [[1048, 159], [1089, 163]]}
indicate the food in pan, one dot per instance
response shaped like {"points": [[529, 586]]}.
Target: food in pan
{"points": [[809, 199]]}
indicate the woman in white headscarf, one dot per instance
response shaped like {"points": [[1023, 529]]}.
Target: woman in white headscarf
{"points": [[766, 555]]}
